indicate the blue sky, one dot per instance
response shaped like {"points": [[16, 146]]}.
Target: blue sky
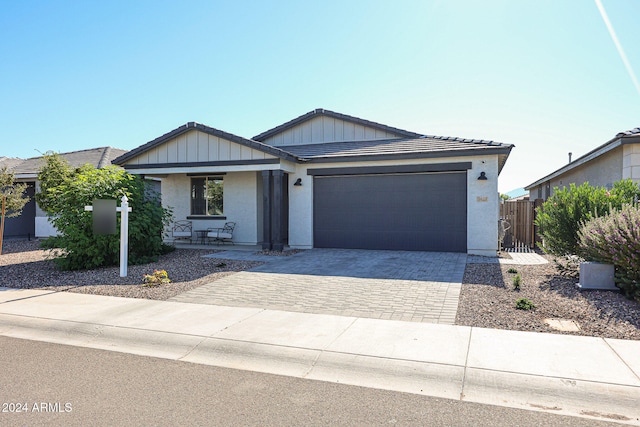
{"points": [[544, 75]]}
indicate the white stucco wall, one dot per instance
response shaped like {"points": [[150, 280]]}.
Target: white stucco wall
{"points": [[240, 204], [482, 202], [44, 228], [483, 207], [301, 210], [601, 171]]}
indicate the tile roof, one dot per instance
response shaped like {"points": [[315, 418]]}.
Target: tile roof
{"points": [[635, 131], [322, 112], [9, 162], [400, 148], [98, 157], [390, 147]]}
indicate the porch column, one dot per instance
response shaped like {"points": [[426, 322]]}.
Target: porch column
{"points": [[276, 218], [266, 210]]}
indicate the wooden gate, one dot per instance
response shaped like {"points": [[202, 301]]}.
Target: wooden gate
{"points": [[520, 215]]}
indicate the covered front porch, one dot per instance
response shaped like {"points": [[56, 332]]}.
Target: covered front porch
{"points": [[210, 177], [256, 201]]}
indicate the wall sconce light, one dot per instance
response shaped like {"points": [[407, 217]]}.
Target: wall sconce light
{"points": [[482, 177], [299, 182]]}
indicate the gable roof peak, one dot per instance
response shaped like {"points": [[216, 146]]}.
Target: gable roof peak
{"points": [[318, 112], [189, 126]]}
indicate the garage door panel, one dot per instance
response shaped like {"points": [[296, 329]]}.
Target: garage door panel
{"points": [[398, 212]]}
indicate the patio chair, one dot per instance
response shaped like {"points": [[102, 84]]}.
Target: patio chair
{"points": [[222, 235], [182, 230]]}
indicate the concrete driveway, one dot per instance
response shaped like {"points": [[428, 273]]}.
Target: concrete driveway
{"points": [[396, 285]]}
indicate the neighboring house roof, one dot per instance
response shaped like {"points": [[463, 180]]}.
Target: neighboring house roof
{"points": [[209, 130], [9, 162], [518, 198], [98, 157], [626, 137], [427, 146], [322, 112]]}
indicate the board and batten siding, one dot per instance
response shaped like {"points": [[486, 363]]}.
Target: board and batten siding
{"points": [[196, 146], [326, 129]]}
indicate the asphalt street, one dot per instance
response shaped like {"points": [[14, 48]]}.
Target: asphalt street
{"points": [[52, 384]]}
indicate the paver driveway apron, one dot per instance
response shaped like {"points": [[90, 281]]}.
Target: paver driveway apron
{"points": [[398, 285]]}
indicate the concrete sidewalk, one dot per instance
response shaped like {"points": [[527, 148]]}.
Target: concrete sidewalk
{"points": [[570, 375]]}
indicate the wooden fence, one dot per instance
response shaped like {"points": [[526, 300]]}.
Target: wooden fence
{"points": [[520, 215]]}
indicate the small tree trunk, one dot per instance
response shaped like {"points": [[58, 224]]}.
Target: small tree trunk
{"points": [[4, 198]]}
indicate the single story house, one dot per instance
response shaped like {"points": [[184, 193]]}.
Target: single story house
{"points": [[33, 221], [329, 180], [615, 160]]}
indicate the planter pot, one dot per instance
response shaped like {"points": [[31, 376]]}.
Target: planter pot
{"points": [[597, 275]]}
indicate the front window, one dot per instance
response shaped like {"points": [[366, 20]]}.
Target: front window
{"points": [[207, 196]]}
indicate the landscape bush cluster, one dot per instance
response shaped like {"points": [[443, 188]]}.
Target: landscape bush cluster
{"points": [[65, 192], [569, 208], [615, 239], [596, 224]]}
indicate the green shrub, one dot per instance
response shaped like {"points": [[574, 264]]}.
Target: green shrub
{"points": [[64, 194], [524, 304], [561, 216], [512, 270], [615, 239], [517, 281]]}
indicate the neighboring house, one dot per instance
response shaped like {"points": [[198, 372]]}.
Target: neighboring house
{"points": [[331, 180], [33, 221], [617, 159], [20, 225]]}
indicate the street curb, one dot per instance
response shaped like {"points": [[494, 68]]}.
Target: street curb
{"points": [[566, 396]]}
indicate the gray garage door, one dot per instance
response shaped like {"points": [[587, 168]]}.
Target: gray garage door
{"points": [[418, 212]]}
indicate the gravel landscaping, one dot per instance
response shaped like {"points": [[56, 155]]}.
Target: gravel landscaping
{"points": [[487, 299], [24, 265]]}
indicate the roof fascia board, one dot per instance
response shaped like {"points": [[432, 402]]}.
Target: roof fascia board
{"points": [[23, 176], [203, 164], [285, 166], [376, 170], [631, 139]]}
